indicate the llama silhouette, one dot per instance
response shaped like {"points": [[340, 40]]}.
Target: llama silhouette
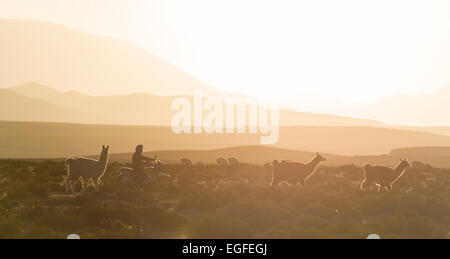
{"points": [[383, 176], [87, 169], [222, 161], [294, 172]]}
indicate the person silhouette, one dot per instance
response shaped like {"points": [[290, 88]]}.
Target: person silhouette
{"points": [[139, 161]]}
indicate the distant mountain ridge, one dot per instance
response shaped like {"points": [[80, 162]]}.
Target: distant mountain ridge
{"points": [[412, 110], [148, 109], [16, 107], [34, 51], [70, 60]]}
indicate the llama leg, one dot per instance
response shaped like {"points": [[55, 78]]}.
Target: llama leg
{"points": [[380, 188], [97, 184], [67, 184], [72, 186], [84, 185], [273, 183], [364, 185], [389, 187], [88, 183]]}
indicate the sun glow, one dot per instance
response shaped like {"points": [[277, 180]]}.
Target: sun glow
{"points": [[346, 51], [349, 50]]}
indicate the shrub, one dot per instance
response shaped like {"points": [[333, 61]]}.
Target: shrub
{"points": [[213, 227], [9, 228]]}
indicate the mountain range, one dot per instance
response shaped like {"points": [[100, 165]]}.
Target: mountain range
{"points": [[133, 109], [412, 110], [68, 60]]}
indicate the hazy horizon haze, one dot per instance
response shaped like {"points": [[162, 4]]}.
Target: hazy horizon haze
{"points": [[362, 53]]}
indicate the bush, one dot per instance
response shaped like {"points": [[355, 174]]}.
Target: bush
{"points": [[318, 210], [214, 227], [42, 232], [9, 228], [207, 201]]}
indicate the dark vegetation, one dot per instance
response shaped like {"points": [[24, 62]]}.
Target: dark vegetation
{"points": [[206, 201]]}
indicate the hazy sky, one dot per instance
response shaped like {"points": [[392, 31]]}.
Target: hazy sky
{"points": [[343, 50]]}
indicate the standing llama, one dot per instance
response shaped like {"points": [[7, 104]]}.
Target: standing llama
{"points": [[87, 169], [186, 162], [383, 176], [294, 172], [222, 162]]}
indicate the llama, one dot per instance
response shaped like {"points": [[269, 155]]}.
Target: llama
{"points": [[294, 172], [383, 176], [186, 162], [87, 169], [222, 161], [232, 161]]}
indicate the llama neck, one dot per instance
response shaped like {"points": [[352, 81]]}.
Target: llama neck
{"points": [[103, 159], [399, 170], [313, 164]]}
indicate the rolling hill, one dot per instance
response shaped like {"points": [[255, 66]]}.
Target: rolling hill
{"points": [[423, 109], [148, 109], [435, 130], [261, 155], [52, 140], [14, 106], [439, 156]]}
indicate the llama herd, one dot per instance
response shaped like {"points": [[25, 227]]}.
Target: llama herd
{"points": [[86, 169]]}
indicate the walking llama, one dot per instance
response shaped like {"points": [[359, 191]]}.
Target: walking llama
{"points": [[222, 162], [294, 172], [383, 176], [87, 169]]}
